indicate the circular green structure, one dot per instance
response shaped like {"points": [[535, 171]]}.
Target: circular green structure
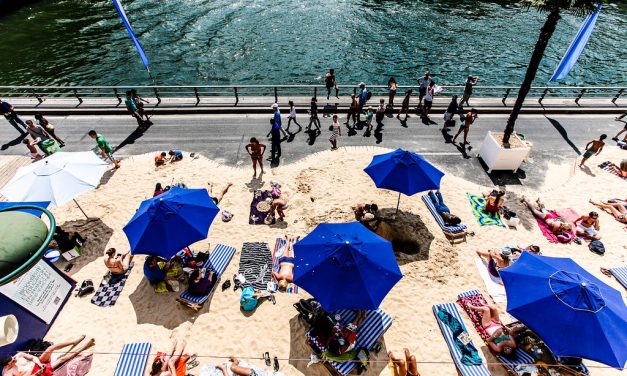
{"points": [[23, 240]]}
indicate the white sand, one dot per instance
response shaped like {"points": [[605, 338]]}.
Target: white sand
{"points": [[320, 188]]}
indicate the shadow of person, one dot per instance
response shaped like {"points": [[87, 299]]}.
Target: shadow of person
{"points": [[462, 149], [312, 134], [352, 130], [255, 183], [587, 170], [560, 129], [14, 142], [403, 123], [96, 234], [378, 134], [448, 139], [130, 139]]}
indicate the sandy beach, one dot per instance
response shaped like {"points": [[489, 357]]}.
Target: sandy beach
{"points": [[320, 188]]}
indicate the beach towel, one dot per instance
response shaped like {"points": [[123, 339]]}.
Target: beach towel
{"points": [[280, 249], [255, 264], [259, 207], [568, 215], [493, 284], [477, 203], [78, 366], [470, 356], [180, 366], [606, 166], [133, 359], [212, 370], [110, 288]]}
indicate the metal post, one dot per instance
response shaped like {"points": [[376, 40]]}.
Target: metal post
{"points": [[117, 95], [505, 95], [197, 97], [546, 90], [157, 95], [315, 92], [276, 95], [583, 91], [236, 96], [620, 92], [37, 96]]}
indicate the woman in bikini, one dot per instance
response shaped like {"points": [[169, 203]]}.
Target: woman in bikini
{"points": [[286, 264], [494, 200], [617, 208], [173, 362], [404, 367], [556, 224], [497, 260], [501, 340], [256, 150]]}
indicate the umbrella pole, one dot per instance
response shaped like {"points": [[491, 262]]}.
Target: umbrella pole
{"points": [[81, 209], [398, 202]]}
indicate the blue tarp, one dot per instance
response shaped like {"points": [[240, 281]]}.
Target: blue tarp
{"points": [[42, 204]]}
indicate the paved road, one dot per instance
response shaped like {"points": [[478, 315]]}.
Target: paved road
{"points": [[222, 138]]}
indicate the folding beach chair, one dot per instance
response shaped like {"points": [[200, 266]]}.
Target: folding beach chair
{"points": [[218, 261], [452, 233], [464, 370], [368, 333], [620, 274], [133, 359]]}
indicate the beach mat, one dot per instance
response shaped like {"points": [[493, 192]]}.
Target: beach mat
{"points": [[280, 248], [606, 166], [477, 203], [259, 208], [255, 264], [79, 366], [567, 214], [493, 285], [110, 289]]}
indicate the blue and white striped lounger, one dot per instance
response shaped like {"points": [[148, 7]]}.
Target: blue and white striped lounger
{"points": [[218, 261], [368, 333], [464, 370], [621, 275], [451, 232], [133, 360]]}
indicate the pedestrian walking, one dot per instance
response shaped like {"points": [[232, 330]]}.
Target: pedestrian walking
{"points": [[49, 128], [615, 138], [380, 113], [39, 135], [256, 150], [363, 97], [275, 137], [369, 115], [131, 106], [106, 152], [451, 110], [9, 113], [331, 83], [470, 82], [337, 132], [392, 87], [292, 116], [423, 84], [313, 114], [404, 106], [428, 99], [32, 151], [277, 120], [352, 110], [464, 126], [139, 104], [593, 147]]}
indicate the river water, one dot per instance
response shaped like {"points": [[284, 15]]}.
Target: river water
{"points": [[213, 42]]}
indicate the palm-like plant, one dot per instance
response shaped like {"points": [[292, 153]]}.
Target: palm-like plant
{"points": [[553, 8]]}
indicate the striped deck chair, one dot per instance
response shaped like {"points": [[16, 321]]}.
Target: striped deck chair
{"points": [[620, 274], [464, 370], [368, 333], [133, 359], [277, 252], [218, 261], [452, 233]]}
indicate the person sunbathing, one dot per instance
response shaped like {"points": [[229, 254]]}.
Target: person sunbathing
{"points": [[518, 250], [556, 224], [501, 340], [172, 362], [286, 264], [497, 260], [620, 170], [404, 367], [236, 369], [438, 202], [617, 209], [588, 225], [494, 200], [220, 196], [117, 263]]}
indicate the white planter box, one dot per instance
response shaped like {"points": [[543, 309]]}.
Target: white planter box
{"points": [[497, 157]]}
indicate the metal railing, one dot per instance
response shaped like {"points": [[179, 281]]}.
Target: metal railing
{"points": [[236, 92]]}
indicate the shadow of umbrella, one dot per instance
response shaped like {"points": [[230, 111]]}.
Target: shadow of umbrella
{"points": [[96, 235]]}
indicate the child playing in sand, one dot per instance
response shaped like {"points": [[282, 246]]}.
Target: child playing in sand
{"points": [[593, 147], [34, 154], [175, 155], [161, 158]]}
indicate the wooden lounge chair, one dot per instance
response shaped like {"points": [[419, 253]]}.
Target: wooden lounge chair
{"points": [[452, 233]]}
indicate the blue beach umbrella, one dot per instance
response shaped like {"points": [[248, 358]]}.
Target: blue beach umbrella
{"points": [[404, 172], [345, 266], [165, 224], [575, 313]]}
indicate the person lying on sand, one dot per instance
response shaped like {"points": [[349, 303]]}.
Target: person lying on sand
{"points": [[23, 364], [518, 250], [620, 170], [494, 200], [117, 263], [237, 369], [404, 367], [617, 208], [557, 225], [497, 260], [286, 264], [173, 362], [588, 225], [438, 202], [501, 340], [216, 199]]}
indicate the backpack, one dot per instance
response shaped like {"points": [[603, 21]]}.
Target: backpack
{"points": [[309, 310], [247, 302], [597, 247], [87, 287]]}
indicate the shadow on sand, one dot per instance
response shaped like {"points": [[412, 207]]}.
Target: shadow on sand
{"points": [[410, 238], [96, 235]]}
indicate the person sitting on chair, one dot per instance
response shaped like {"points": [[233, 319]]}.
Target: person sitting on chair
{"points": [[201, 281], [286, 264], [438, 202], [117, 263], [343, 338]]}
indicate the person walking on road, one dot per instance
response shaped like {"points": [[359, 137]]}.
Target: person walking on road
{"points": [[615, 138], [277, 120], [363, 97], [105, 149], [428, 100], [313, 114], [139, 104], [331, 83], [352, 110], [275, 149], [470, 82], [9, 113], [451, 110], [593, 147], [392, 87], [49, 128], [38, 134], [337, 132], [405, 106], [292, 117], [380, 114], [470, 118], [423, 84], [131, 106]]}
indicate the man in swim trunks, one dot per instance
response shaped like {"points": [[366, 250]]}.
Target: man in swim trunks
{"points": [[117, 263], [593, 147], [219, 197], [589, 225], [256, 150], [556, 224], [501, 340], [286, 264]]}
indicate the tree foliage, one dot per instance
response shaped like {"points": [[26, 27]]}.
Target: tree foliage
{"points": [[576, 7]]}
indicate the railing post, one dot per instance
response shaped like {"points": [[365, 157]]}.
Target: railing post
{"points": [[197, 97], [546, 90], [157, 96], [505, 95], [37, 96], [276, 95], [316, 92], [117, 95], [583, 91], [354, 90], [620, 92], [236, 96], [80, 101]]}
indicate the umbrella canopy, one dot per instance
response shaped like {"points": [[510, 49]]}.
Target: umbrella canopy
{"points": [[58, 178], [345, 266], [404, 172], [165, 224], [575, 313]]}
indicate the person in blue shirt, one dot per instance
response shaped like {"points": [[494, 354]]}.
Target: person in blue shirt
{"points": [[175, 155], [153, 272], [363, 96], [9, 113], [277, 120]]}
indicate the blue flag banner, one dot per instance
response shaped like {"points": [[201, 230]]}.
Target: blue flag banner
{"points": [[138, 45], [576, 47]]}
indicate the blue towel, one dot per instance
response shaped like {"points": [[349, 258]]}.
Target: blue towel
{"points": [[470, 356]]}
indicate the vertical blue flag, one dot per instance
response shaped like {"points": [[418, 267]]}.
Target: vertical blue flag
{"points": [[140, 50], [576, 47]]}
